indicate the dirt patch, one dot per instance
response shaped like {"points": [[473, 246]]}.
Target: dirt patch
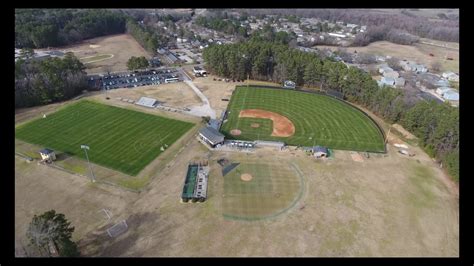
{"points": [[235, 132], [246, 177], [255, 125], [282, 126], [357, 157]]}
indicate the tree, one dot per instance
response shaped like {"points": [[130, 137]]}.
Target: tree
{"points": [[51, 228], [394, 63], [436, 66], [137, 63]]}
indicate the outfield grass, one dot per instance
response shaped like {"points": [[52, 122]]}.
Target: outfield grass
{"points": [[318, 120], [118, 138]]}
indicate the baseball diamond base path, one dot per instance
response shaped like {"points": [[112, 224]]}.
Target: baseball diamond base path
{"points": [[282, 126]]}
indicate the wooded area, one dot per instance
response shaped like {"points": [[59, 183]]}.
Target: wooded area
{"points": [[41, 28], [436, 125], [50, 80], [147, 37]]}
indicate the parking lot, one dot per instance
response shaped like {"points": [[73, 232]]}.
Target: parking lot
{"points": [[135, 79]]}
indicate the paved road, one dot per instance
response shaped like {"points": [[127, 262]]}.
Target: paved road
{"points": [[202, 110]]}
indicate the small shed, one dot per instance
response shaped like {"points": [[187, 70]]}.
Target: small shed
{"points": [[47, 154], [319, 151]]}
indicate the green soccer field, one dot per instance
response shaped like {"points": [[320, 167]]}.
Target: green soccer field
{"points": [[318, 120], [118, 138]]}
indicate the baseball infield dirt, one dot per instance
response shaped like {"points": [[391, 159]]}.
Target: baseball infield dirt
{"points": [[282, 126], [246, 177], [235, 132]]}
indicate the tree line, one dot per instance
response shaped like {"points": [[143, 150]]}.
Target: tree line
{"points": [[49, 80], [40, 28], [384, 33], [436, 125], [148, 38]]}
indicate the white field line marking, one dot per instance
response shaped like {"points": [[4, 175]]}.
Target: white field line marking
{"points": [[93, 61]]}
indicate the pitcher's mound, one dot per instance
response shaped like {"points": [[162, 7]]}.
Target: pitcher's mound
{"points": [[246, 177], [255, 125], [235, 132]]}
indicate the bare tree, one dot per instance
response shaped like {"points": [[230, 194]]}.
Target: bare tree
{"points": [[394, 63], [436, 66]]}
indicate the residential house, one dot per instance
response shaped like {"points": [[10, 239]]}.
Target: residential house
{"points": [[451, 76], [390, 74], [451, 95]]}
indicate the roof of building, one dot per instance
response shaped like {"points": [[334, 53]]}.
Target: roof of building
{"points": [[387, 80], [214, 123], [451, 95], [147, 102], [386, 69], [320, 149], [46, 151], [212, 134]]}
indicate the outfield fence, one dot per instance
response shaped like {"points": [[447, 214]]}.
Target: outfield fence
{"points": [[331, 94]]}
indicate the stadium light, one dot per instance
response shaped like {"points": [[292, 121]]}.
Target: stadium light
{"points": [[85, 148]]}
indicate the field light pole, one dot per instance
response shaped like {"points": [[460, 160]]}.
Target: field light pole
{"points": [[85, 148]]}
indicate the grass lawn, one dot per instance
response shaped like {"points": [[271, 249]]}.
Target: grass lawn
{"points": [[318, 120], [273, 189], [120, 139]]}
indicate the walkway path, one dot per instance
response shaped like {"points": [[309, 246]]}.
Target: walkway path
{"points": [[201, 110]]}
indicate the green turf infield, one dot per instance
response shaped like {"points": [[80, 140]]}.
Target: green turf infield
{"points": [[118, 138], [318, 120]]}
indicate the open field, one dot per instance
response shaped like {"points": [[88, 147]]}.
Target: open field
{"points": [[95, 58], [419, 52], [317, 119], [383, 206], [40, 188], [172, 94], [119, 138], [97, 52]]}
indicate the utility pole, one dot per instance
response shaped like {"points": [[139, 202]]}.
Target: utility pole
{"points": [[85, 148]]}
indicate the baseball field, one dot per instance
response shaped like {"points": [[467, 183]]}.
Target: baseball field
{"points": [[299, 118], [118, 138], [259, 190]]}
